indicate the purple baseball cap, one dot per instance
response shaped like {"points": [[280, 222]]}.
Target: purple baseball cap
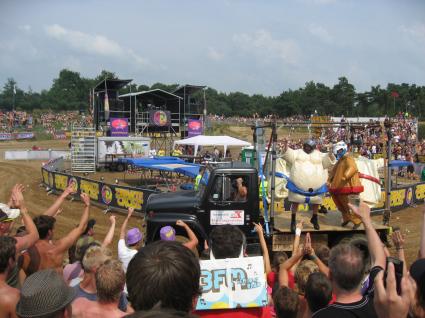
{"points": [[133, 236], [167, 233]]}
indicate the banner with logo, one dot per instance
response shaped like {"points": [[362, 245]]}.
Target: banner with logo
{"points": [[160, 118], [6, 136], [119, 127], [24, 135], [232, 283], [194, 127]]}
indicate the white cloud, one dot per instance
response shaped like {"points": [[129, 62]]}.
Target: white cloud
{"points": [[25, 27], [416, 31], [93, 44], [214, 54], [265, 45], [321, 33]]}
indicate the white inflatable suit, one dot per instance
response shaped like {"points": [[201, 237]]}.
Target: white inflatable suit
{"points": [[281, 192], [372, 190], [308, 172]]}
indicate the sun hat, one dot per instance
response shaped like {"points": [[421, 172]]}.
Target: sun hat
{"points": [[167, 233], [44, 293], [8, 213], [133, 236], [417, 269]]}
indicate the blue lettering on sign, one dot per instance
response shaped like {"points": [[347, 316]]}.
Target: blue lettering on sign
{"points": [[212, 280]]}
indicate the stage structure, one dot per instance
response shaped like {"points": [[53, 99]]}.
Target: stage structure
{"points": [[194, 105], [163, 116], [106, 105], [83, 149]]}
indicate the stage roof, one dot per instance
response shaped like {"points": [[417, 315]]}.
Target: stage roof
{"points": [[111, 84], [154, 93], [189, 89]]}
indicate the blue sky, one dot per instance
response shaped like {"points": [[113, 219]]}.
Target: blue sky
{"points": [[231, 45]]}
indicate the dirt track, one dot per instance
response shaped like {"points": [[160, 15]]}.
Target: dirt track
{"points": [[28, 173]]}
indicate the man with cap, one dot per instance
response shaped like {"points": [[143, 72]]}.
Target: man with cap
{"points": [[168, 233], [129, 244], [7, 217], [45, 294], [308, 176]]}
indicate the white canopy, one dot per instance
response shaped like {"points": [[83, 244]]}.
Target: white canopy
{"points": [[201, 140]]}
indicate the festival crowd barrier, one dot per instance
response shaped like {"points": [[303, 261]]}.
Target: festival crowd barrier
{"points": [[112, 196]]}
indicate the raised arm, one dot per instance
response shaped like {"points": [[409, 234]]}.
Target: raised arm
{"points": [[264, 249], [309, 250], [124, 224], [373, 241], [285, 266], [28, 240], [398, 241], [193, 240], [110, 235], [66, 242], [53, 209]]}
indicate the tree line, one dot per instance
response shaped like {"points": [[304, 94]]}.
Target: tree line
{"points": [[70, 91]]}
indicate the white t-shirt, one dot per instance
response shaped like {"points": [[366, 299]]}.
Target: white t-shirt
{"points": [[125, 254]]}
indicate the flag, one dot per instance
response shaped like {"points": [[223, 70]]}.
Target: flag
{"points": [[14, 89], [106, 105], [395, 94]]}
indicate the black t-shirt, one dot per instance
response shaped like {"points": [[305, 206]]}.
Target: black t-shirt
{"points": [[359, 309]]}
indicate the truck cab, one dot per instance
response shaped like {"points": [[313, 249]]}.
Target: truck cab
{"points": [[214, 203]]}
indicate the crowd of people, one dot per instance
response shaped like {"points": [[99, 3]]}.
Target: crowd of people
{"points": [[12, 121], [162, 279]]}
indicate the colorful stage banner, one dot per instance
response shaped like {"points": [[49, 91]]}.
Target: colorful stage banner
{"points": [[119, 127], [232, 283], [194, 127], [160, 118]]}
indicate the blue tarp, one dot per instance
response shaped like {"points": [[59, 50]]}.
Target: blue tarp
{"points": [[400, 163], [172, 164]]}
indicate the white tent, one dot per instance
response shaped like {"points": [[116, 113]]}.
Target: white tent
{"points": [[201, 140]]}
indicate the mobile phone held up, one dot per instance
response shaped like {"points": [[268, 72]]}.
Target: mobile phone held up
{"points": [[398, 270]]}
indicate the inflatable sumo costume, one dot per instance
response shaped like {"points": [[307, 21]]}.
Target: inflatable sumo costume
{"points": [[308, 176], [344, 181], [369, 178]]}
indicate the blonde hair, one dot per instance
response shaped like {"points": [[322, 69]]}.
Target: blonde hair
{"points": [[302, 273], [94, 257]]}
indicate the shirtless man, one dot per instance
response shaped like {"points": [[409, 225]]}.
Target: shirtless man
{"points": [[241, 190], [47, 253], [9, 296], [8, 213], [8, 216], [110, 280]]}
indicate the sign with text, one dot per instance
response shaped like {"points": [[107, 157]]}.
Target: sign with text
{"points": [[119, 127], [194, 127], [232, 283], [221, 217]]}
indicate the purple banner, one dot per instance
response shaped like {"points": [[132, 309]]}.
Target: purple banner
{"points": [[194, 127], [24, 135], [5, 136], [119, 127]]}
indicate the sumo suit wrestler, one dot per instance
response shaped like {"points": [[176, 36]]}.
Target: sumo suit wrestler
{"points": [[308, 176], [344, 181]]}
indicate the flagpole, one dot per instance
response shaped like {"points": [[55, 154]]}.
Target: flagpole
{"points": [[14, 94]]}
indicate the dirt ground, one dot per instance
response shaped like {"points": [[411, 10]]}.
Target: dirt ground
{"points": [[28, 173]]}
